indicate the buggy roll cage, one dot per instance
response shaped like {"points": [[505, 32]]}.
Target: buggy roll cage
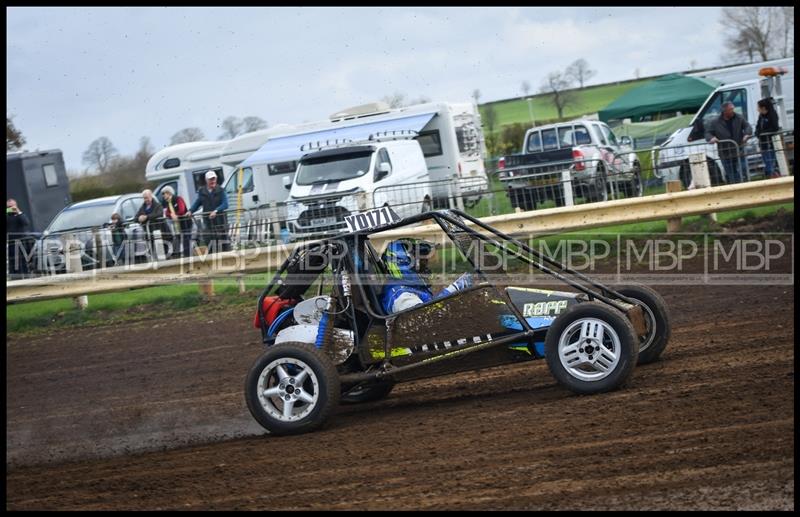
{"points": [[451, 222]]}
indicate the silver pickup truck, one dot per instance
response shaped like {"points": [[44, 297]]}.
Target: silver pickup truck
{"points": [[596, 160]]}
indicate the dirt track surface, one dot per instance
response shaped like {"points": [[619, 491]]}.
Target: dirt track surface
{"points": [[151, 415]]}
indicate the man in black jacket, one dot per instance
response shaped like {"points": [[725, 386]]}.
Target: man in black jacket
{"points": [[214, 201], [730, 131], [17, 227]]}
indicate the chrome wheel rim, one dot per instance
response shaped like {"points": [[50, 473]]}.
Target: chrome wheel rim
{"points": [[589, 349], [288, 389]]}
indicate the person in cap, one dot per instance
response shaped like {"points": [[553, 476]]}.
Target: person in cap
{"points": [[214, 201]]}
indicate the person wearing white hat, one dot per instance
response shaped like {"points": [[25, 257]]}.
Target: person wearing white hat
{"points": [[214, 201]]}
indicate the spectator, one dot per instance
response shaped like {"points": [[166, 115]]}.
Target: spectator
{"points": [[214, 201], [118, 238], [150, 217], [17, 226], [766, 126], [181, 225], [729, 131]]}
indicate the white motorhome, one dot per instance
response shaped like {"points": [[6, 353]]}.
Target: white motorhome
{"points": [[449, 135], [336, 181], [183, 167], [672, 159]]}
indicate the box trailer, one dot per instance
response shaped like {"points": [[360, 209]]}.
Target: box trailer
{"points": [[38, 181]]}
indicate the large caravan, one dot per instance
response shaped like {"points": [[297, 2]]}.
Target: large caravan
{"points": [[183, 167], [449, 135]]}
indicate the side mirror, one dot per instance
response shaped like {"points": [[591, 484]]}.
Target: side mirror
{"points": [[625, 140], [287, 182], [384, 169]]}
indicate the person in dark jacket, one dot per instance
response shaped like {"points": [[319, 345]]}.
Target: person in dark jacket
{"points": [[150, 216], [118, 238], [214, 201], [766, 126], [17, 228], [730, 131], [176, 219]]}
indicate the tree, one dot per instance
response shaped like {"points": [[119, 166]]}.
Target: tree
{"points": [[557, 84], [526, 88], [232, 127], [253, 123], [490, 119], [189, 134], [579, 71], [100, 154], [14, 138], [397, 100], [758, 32], [476, 94]]}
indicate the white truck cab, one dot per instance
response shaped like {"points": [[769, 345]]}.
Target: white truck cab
{"points": [[671, 161], [332, 182]]}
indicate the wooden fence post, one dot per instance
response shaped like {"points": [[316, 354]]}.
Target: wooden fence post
{"points": [[673, 223]]}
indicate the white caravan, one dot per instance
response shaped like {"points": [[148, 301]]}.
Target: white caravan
{"points": [[183, 167], [672, 158], [449, 135]]}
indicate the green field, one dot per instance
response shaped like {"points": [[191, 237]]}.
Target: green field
{"points": [[588, 100]]}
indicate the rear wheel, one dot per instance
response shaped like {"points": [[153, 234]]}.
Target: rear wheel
{"points": [[292, 388], [591, 348], [634, 188], [598, 191], [657, 320]]}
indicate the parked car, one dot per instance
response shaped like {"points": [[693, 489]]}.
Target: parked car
{"points": [[596, 159], [84, 219], [671, 159]]}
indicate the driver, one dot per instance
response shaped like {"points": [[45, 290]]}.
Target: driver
{"points": [[407, 262]]}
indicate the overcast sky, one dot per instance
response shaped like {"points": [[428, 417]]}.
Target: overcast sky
{"points": [[75, 74]]}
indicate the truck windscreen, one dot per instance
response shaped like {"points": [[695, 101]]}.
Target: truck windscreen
{"points": [[333, 168]]}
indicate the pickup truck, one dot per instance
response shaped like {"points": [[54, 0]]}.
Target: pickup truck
{"points": [[596, 160]]}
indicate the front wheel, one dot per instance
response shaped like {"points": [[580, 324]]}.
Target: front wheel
{"points": [[591, 348], [292, 388]]}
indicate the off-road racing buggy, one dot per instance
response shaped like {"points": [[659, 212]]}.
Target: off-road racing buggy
{"points": [[376, 321]]}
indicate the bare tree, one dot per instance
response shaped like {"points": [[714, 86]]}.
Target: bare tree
{"points": [[14, 138], [579, 70], [758, 32], [558, 84], [526, 88], [787, 28], [253, 123], [100, 154], [476, 94], [396, 100], [189, 134], [232, 127], [422, 99]]}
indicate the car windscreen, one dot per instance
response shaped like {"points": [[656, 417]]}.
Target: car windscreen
{"points": [[82, 217], [333, 168]]}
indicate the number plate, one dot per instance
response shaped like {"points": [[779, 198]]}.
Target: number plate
{"points": [[371, 219], [323, 221]]}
